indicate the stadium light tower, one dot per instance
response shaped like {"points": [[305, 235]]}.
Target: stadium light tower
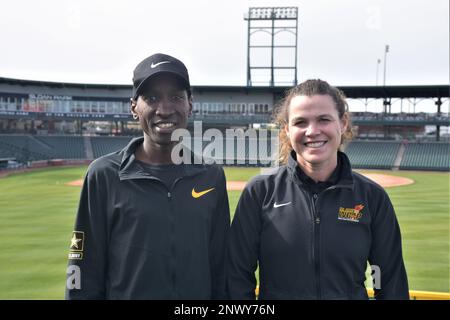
{"points": [[378, 66], [386, 50], [273, 21]]}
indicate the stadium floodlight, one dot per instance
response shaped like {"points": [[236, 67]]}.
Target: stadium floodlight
{"points": [[265, 13], [378, 65], [386, 50]]}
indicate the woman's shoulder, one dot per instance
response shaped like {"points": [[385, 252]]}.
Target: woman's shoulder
{"points": [[364, 183]]}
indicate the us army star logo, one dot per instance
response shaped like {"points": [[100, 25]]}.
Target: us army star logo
{"points": [[76, 243]]}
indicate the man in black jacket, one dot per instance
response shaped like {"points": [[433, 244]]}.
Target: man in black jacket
{"points": [[147, 228]]}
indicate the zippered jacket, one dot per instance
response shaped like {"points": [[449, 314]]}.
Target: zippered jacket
{"points": [[314, 245], [136, 238]]}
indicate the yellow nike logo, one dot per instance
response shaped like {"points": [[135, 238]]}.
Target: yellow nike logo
{"points": [[199, 194]]}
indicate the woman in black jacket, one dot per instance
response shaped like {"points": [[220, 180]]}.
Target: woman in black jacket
{"points": [[313, 224]]}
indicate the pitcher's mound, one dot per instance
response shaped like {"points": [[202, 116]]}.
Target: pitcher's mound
{"points": [[75, 183], [383, 180], [236, 185], [387, 181]]}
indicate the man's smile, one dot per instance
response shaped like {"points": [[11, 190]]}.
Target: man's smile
{"points": [[165, 126]]}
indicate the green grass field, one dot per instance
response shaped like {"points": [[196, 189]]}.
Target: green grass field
{"points": [[38, 210]]}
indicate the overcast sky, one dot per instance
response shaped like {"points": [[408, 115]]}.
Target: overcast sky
{"points": [[101, 41]]}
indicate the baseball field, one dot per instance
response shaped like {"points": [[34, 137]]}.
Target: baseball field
{"points": [[37, 211]]}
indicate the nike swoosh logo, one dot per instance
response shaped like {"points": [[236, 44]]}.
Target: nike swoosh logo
{"points": [[275, 205], [154, 65], [201, 193]]}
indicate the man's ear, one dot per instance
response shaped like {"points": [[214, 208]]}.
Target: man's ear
{"points": [[191, 102], [133, 105]]}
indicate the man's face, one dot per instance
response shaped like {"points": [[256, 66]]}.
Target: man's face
{"points": [[162, 107]]}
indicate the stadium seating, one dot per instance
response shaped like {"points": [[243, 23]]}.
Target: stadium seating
{"points": [[362, 154], [372, 154], [105, 145], [22, 148], [64, 147], [426, 156]]}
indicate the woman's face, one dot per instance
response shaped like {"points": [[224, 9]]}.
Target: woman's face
{"points": [[314, 130]]}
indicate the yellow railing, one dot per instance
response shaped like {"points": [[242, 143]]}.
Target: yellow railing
{"points": [[413, 294], [421, 295]]}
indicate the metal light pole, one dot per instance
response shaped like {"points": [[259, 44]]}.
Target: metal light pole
{"points": [[378, 66], [386, 50]]}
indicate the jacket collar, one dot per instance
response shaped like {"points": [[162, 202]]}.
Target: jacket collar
{"points": [[131, 169], [344, 180]]}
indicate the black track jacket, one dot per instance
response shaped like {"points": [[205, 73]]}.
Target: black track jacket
{"points": [[135, 238], [314, 246]]}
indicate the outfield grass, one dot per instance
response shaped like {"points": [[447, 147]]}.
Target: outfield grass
{"points": [[423, 210], [36, 221], [240, 173], [38, 211]]}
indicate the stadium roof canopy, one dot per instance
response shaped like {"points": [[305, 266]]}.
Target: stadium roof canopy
{"points": [[412, 91]]}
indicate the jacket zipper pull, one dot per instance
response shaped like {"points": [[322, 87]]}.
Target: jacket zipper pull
{"points": [[169, 195], [315, 196]]}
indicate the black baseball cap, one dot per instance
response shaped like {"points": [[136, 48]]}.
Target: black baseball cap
{"points": [[155, 64]]}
